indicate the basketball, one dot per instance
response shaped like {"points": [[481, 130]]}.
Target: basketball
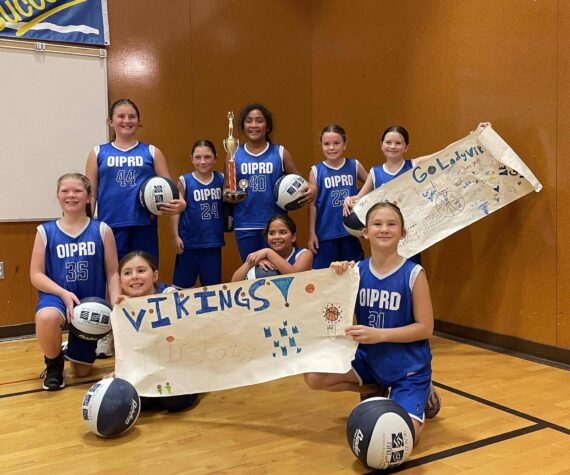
{"points": [[111, 407], [353, 224], [91, 319], [155, 191], [259, 273], [380, 433], [288, 191]]}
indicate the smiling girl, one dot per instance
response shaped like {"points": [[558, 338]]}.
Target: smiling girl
{"points": [[259, 164], [116, 171], [393, 332], [139, 278], [282, 255], [198, 233], [63, 276], [336, 178]]}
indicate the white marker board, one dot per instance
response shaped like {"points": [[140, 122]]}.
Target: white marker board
{"points": [[54, 107]]}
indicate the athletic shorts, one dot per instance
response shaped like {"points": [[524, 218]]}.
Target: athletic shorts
{"points": [[346, 248], [136, 238], [411, 392], [78, 350], [193, 263]]}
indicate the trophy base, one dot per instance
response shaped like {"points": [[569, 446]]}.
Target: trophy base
{"points": [[237, 195]]}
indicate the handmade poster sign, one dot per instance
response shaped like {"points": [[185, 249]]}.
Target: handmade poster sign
{"points": [[463, 183], [236, 334]]}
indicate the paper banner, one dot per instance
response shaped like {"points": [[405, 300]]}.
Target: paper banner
{"points": [[463, 183], [236, 334]]}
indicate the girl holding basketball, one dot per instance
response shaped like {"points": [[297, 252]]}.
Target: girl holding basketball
{"points": [[392, 330], [73, 257], [198, 232], [282, 256], [335, 178], [259, 164], [116, 171], [138, 275]]}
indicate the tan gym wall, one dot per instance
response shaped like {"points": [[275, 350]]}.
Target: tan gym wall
{"points": [[437, 67]]}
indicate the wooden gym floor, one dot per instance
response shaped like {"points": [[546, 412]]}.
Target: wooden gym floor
{"points": [[500, 415]]}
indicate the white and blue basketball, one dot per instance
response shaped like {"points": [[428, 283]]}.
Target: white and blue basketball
{"points": [[155, 191], [353, 224], [91, 319], [260, 273], [380, 433], [111, 407], [288, 191]]}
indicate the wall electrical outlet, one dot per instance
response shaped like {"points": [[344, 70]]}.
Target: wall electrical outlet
{"points": [[1, 270]]}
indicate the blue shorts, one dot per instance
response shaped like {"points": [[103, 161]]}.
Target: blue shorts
{"points": [[78, 350], [346, 248], [205, 263], [136, 238], [249, 240], [411, 392]]}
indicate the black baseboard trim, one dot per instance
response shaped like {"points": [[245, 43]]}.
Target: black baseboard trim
{"points": [[546, 354], [17, 331]]}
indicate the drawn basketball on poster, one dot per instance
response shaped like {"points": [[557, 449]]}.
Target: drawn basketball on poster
{"points": [[449, 204], [332, 315]]}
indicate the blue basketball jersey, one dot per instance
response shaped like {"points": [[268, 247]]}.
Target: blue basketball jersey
{"points": [[334, 185], [385, 301], [260, 173], [295, 253], [380, 175], [121, 174], [201, 223], [76, 263]]}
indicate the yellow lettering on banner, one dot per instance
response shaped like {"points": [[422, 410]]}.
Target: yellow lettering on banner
{"points": [[47, 14], [33, 3], [28, 13], [2, 20], [17, 18]]}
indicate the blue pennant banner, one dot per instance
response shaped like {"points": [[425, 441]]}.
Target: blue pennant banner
{"points": [[68, 21]]}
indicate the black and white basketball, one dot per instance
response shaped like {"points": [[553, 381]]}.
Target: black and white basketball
{"points": [[155, 191], [288, 191], [353, 224], [259, 273], [380, 433], [111, 407], [91, 319]]}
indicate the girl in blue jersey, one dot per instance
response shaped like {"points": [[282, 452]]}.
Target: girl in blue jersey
{"points": [[117, 170], [282, 255], [259, 164], [335, 178], [394, 144], [139, 277], [394, 318], [74, 257], [198, 232]]}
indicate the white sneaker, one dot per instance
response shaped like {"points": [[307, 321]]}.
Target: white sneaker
{"points": [[105, 346]]}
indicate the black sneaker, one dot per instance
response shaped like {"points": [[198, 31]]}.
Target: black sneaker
{"points": [[53, 374], [433, 404]]}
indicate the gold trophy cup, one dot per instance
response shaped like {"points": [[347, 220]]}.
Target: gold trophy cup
{"points": [[230, 146]]}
